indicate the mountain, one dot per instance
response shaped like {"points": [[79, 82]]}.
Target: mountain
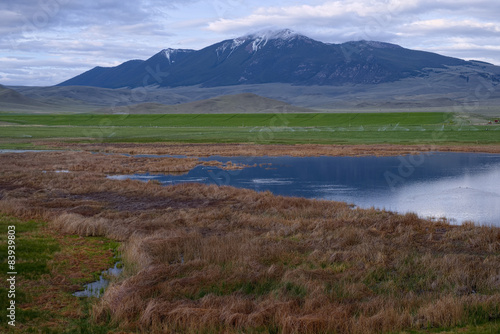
{"points": [[273, 57], [133, 73], [227, 104]]}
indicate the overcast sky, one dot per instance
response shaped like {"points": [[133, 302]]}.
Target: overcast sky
{"points": [[44, 42]]}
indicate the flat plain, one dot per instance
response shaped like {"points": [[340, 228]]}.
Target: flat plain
{"points": [[278, 128]]}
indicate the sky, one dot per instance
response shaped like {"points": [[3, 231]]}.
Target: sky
{"points": [[44, 42]]}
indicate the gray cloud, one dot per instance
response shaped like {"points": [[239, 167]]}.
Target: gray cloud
{"points": [[72, 36]]}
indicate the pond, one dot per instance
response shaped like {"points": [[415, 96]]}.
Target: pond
{"points": [[458, 186]]}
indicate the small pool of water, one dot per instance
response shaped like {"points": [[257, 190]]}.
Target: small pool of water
{"points": [[96, 289], [458, 186]]}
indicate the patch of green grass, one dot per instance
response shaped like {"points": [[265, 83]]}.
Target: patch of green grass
{"points": [[339, 267], [84, 325], [479, 315], [489, 328], [294, 290], [408, 276], [492, 327], [21, 227], [259, 288], [36, 264], [19, 146], [234, 120], [320, 128], [337, 291], [32, 252], [255, 289]]}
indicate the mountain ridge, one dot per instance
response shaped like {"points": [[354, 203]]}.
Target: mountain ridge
{"points": [[282, 56]]}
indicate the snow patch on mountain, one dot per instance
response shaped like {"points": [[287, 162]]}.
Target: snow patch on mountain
{"points": [[285, 34], [260, 39], [233, 45], [256, 41], [170, 52]]}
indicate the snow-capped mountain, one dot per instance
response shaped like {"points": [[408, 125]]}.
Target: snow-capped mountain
{"points": [[259, 40], [282, 56]]}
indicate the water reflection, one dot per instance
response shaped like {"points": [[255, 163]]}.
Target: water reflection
{"points": [[458, 186], [96, 289], [468, 197]]}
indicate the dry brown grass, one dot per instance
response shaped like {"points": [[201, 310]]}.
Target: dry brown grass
{"points": [[222, 260], [298, 150], [71, 223]]}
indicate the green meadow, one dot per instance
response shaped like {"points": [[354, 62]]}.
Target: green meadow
{"points": [[318, 128]]}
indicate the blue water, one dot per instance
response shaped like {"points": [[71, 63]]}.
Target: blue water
{"points": [[458, 186], [96, 289]]}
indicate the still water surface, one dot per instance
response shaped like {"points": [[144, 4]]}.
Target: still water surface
{"points": [[458, 186]]}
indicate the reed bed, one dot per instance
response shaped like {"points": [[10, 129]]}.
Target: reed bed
{"points": [[208, 259]]}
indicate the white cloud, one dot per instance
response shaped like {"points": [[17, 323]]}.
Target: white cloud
{"points": [[463, 27], [328, 13]]}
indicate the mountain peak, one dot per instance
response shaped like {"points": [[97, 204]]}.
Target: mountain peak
{"points": [[261, 38], [284, 34]]}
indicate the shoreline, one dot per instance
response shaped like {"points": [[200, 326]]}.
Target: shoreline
{"points": [[296, 150]]}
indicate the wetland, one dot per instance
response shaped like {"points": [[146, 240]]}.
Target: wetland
{"points": [[456, 186], [209, 258]]}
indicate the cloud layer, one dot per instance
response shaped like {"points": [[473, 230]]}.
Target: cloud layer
{"points": [[47, 41]]}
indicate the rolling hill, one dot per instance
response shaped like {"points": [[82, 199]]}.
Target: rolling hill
{"points": [[227, 104], [11, 97]]}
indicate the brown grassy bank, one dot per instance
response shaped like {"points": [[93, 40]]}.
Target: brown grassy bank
{"points": [[104, 164], [298, 150], [204, 259]]}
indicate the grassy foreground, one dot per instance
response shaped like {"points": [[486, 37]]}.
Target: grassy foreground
{"points": [[50, 268], [321, 128], [204, 259]]}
